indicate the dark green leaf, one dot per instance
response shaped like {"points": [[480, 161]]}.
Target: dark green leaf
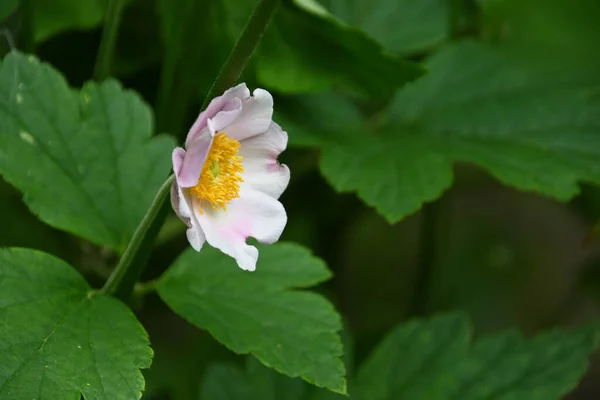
{"points": [[60, 338], [432, 359], [306, 49], [492, 106], [399, 25], [7, 7], [84, 160], [294, 332]]}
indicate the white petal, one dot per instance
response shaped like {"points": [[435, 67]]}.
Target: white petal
{"points": [[255, 117], [261, 169], [253, 214], [194, 234]]}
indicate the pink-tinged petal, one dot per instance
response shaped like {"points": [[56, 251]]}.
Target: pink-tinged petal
{"points": [[253, 214], [182, 206], [227, 115], [262, 172], [216, 105], [255, 117], [197, 150]]}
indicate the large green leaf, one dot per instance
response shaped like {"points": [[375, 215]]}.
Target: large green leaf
{"points": [[84, 160], [60, 338], [399, 25], [534, 125], [306, 49], [432, 359], [294, 332]]}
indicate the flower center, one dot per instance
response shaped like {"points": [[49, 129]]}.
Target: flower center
{"points": [[219, 181]]}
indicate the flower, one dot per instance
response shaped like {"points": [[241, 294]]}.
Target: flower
{"points": [[228, 180]]}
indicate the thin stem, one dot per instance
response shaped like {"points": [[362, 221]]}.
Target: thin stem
{"points": [[243, 49], [427, 251], [109, 40], [122, 279]]}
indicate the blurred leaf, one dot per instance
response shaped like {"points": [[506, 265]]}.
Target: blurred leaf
{"points": [[60, 338], [495, 107], [568, 28], [322, 119], [7, 7], [193, 36], [227, 382], [402, 26], [261, 312], [55, 16], [84, 160], [432, 359], [306, 49]]}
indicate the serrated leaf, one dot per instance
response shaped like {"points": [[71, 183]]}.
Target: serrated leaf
{"points": [[294, 332], [416, 360], [402, 26], [306, 49], [60, 339], [534, 124], [85, 161], [431, 359]]}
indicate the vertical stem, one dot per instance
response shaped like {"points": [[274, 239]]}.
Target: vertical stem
{"points": [[123, 278], [426, 260], [243, 49], [109, 40]]}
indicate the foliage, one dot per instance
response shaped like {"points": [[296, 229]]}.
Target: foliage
{"points": [[468, 130]]}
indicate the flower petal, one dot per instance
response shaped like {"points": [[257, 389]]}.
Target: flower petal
{"points": [[217, 104], [261, 170], [255, 117], [253, 214], [227, 115], [181, 204], [197, 150]]}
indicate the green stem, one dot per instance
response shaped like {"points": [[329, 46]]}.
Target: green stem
{"points": [[109, 40], [127, 272], [243, 49], [426, 258]]}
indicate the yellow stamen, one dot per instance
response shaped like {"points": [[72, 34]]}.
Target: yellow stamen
{"points": [[219, 181]]}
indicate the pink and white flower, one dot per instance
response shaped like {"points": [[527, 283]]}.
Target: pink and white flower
{"points": [[228, 180]]}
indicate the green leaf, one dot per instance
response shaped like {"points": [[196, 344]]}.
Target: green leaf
{"points": [[260, 312], [51, 17], [84, 161], [491, 106], [306, 49], [402, 26], [7, 7], [227, 382], [417, 360], [432, 359], [60, 338]]}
